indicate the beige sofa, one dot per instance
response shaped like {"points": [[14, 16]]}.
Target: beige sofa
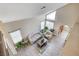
{"points": [[33, 37], [49, 35]]}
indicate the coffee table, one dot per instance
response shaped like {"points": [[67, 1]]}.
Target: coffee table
{"points": [[42, 45], [42, 42]]}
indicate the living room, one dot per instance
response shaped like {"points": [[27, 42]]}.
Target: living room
{"points": [[32, 26], [40, 34]]}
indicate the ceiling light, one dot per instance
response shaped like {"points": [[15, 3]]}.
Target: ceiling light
{"points": [[43, 7]]}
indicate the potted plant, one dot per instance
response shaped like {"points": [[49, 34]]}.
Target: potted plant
{"points": [[19, 45], [45, 28]]}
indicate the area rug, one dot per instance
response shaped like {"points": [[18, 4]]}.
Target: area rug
{"points": [[40, 50]]}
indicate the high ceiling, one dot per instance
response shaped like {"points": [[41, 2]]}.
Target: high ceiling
{"points": [[18, 11]]}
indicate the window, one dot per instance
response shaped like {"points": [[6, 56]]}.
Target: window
{"points": [[16, 36], [42, 24], [51, 16], [49, 24]]}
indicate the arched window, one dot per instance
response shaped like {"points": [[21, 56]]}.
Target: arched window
{"points": [[49, 22], [51, 16]]}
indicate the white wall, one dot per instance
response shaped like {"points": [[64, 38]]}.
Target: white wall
{"points": [[66, 15], [26, 26]]}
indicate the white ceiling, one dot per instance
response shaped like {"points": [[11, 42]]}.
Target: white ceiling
{"points": [[17, 11]]}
